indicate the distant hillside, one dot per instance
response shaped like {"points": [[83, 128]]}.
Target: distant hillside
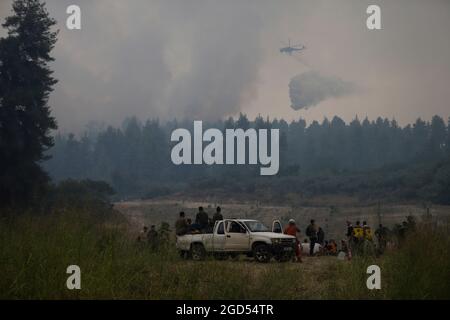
{"points": [[418, 183]]}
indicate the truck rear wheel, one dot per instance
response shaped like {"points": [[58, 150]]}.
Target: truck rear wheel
{"points": [[197, 252], [261, 253]]}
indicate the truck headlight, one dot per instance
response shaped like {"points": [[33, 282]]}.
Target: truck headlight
{"points": [[276, 241]]}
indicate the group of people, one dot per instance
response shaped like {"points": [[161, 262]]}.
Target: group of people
{"points": [[360, 239], [358, 233], [314, 244], [359, 236], [149, 236], [202, 224]]}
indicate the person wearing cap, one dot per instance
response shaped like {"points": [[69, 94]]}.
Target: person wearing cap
{"points": [[217, 216], [292, 230]]}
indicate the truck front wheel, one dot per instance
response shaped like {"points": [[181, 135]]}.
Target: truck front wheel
{"points": [[197, 252], [261, 253]]}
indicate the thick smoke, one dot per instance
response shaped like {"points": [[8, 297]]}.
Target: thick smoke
{"points": [[310, 88], [185, 59], [211, 59], [223, 60]]}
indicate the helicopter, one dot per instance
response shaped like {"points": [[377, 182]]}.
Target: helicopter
{"points": [[290, 49]]}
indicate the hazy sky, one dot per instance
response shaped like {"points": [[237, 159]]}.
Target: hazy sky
{"points": [[206, 59]]}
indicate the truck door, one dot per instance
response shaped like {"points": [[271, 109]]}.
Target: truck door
{"points": [[277, 227], [237, 237], [219, 237]]}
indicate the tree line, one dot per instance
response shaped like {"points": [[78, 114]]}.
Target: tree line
{"points": [[136, 156]]}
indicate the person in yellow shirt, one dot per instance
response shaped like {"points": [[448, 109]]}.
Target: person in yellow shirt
{"points": [[358, 232], [367, 231]]}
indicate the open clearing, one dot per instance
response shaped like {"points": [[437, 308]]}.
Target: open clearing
{"points": [[333, 221]]}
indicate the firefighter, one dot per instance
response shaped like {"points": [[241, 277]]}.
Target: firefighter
{"points": [[367, 231], [292, 230]]}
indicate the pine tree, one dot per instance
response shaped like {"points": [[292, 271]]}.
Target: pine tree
{"points": [[25, 84]]}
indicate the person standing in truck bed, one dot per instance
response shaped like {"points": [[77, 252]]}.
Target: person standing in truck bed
{"points": [[202, 220], [217, 216]]}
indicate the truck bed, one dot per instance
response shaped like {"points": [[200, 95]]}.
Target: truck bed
{"points": [[184, 242]]}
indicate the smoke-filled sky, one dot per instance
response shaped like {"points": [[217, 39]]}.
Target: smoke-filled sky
{"points": [[208, 59]]}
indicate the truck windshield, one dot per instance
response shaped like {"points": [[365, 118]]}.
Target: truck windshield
{"points": [[256, 226]]}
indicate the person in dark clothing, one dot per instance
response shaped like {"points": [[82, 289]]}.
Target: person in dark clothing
{"points": [[411, 223], [349, 233], [152, 237], [381, 233], [402, 232], [217, 216], [320, 236], [143, 235], [357, 238], [311, 232], [202, 219], [181, 226], [193, 227]]}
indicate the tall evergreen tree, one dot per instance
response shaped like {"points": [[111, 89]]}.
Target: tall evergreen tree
{"points": [[438, 132], [25, 84]]}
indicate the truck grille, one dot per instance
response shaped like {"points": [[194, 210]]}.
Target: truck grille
{"points": [[286, 242]]}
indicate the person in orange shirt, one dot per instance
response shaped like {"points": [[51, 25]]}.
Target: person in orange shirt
{"points": [[332, 247], [292, 230]]}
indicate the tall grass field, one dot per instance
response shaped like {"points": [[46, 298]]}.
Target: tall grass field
{"points": [[36, 251]]}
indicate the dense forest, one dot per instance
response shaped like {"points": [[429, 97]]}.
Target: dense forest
{"points": [[135, 158]]}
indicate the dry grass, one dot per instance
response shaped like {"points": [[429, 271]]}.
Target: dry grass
{"points": [[35, 252]]}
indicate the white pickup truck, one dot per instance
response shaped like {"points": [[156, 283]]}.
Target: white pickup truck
{"points": [[231, 237]]}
